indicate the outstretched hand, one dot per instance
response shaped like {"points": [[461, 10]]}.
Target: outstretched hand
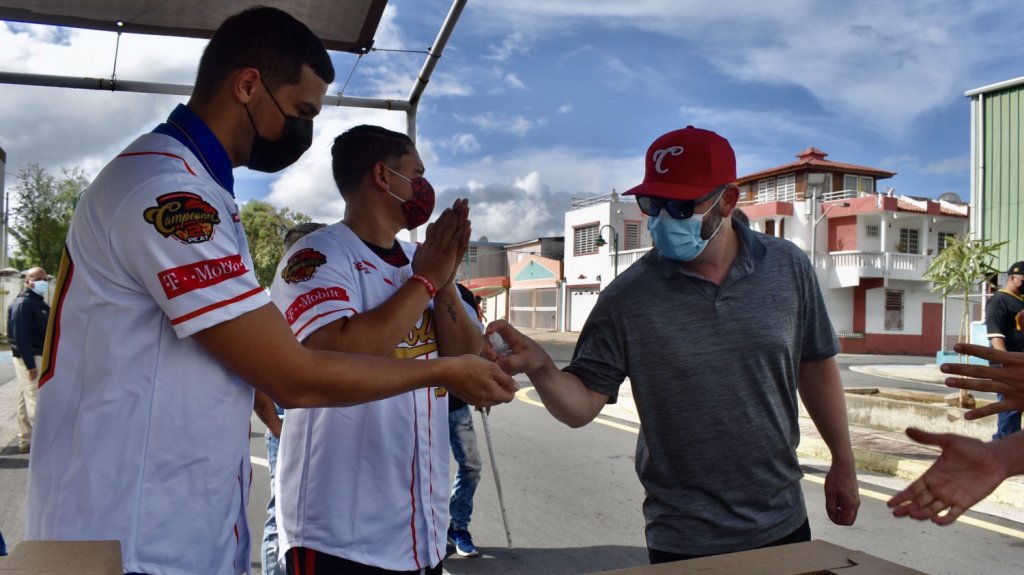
{"points": [[966, 472], [523, 355], [1004, 376]]}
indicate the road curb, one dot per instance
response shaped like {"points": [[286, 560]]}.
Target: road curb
{"points": [[1010, 493]]}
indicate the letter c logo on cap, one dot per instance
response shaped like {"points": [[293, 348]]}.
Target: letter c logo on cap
{"points": [[659, 155]]}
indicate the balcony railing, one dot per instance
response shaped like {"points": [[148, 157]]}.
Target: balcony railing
{"points": [[846, 268], [626, 258]]}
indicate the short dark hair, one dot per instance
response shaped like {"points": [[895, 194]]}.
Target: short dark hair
{"points": [[268, 39], [296, 232], [356, 151]]}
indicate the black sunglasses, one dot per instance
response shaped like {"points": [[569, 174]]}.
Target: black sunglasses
{"points": [[678, 209]]}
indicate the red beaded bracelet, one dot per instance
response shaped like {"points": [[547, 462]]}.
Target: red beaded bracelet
{"points": [[426, 283]]}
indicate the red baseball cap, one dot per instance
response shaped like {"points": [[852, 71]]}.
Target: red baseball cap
{"points": [[687, 164]]}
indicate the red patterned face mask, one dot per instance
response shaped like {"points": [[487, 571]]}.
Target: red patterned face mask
{"points": [[417, 209]]}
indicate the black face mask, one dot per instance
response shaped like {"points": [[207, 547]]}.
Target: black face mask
{"points": [[276, 155]]}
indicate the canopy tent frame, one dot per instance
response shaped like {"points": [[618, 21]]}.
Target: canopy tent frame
{"points": [[34, 11]]}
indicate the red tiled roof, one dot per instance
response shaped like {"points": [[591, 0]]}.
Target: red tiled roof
{"points": [[815, 158]]}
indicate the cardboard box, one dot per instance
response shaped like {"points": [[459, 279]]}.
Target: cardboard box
{"points": [[811, 558], [53, 557]]}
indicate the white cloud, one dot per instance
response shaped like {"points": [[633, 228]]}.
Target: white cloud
{"points": [[494, 122], [460, 144], [564, 109], [947, 166], [525, 195], [511, 45], [512, 79]]}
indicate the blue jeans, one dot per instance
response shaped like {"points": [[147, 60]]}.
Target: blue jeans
{"points": [[467, 457], [1007, 422], [268, 548]]}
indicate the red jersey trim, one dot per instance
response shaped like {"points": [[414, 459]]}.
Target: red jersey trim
{"points": [[64, 277], [412, 496], [217, 305], [318, 316], [187, 167]]}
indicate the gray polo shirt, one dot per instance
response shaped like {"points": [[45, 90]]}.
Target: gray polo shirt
{"points": [[714, 375]]}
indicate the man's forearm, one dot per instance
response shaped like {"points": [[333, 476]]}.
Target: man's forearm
{"points": [[1010, 450], [565, 396], [821, 390], [457, 332]]}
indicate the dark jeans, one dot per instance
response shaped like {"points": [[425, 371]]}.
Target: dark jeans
{"points": [[1007, 422], [303, 561], [802, 533]]}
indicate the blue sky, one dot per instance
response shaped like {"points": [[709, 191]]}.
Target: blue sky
{"points": [[535, 101]]}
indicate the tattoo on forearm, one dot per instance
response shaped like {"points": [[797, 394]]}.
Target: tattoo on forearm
{"points": [[450, 305]]}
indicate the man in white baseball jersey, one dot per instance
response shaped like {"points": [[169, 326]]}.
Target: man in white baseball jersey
{"points": [[160, 331], [364, 488]]}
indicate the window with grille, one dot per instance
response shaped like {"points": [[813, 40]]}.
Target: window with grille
{"points": [[944, 238], [785, 188], [873, 231], [909, 241], [894, 310], [583, 238], [766, 190], [632, 236], [472, 254]]}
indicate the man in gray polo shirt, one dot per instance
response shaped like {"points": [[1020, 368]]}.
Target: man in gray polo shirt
{"points": [[718, 328]]}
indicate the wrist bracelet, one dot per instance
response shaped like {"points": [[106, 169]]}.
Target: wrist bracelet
{"points": [[426, 283]]}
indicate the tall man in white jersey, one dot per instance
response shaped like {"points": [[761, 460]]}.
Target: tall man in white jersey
{"points": [[160, 331], [364, 488]]}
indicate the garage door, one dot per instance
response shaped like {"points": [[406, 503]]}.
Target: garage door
{"points": [[581, 301]]}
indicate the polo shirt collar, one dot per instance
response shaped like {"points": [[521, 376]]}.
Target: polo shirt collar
{"points": [[751, 253], [190, 130]]}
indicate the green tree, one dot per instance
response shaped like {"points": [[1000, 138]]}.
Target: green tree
{"points": [[265, 226], [43, 204], [961, 268]]}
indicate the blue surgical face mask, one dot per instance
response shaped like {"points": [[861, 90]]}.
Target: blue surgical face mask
{"points": [[40, 286], [681, 240]]}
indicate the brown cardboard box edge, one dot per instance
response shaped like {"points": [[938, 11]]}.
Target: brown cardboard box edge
{"points": [[52, 557], [812, 557]]}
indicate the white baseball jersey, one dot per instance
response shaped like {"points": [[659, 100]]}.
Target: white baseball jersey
{"points": [[140, 434], [368, 482]]}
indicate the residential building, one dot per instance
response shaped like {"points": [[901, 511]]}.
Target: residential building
{"points": [[605, 235], [535, 282], [484, 270]]}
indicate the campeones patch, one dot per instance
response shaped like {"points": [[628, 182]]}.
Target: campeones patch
{"points": [[302, 265], [184, 215]]}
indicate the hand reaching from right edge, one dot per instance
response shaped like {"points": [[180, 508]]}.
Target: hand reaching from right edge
{"points": [[966, 472], [1004, 376]]}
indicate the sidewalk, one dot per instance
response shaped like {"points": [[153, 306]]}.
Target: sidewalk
{"points": [[884, 452]]}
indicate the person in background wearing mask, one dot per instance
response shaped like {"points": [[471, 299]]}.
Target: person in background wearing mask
{"points": [[1004, 315], [27, 317], [162, 329], [718, 329], [364, 488]]}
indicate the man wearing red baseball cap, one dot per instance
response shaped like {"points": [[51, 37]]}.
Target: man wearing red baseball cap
{"points": [[718, 329]]}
